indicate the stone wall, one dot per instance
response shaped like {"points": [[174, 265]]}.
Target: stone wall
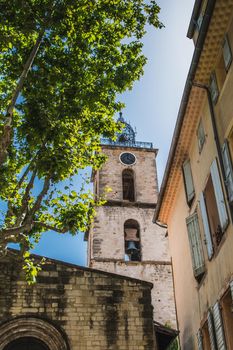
{"points": [[75, 308], [107, 234], [159, 274]]}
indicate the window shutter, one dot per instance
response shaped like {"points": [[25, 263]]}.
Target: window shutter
{"points": [[208, 237], [219, 195], [199, 340], [195, 244], [228, 170], [227, 55], [218, 325], [188, 180], [211, 331]]}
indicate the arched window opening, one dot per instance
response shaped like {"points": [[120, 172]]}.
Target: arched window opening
{"points": [[132, 241], [26, 343], [128, 185]]}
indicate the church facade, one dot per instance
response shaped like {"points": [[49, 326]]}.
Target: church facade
{"points": [[123, 238], [73, 308]]}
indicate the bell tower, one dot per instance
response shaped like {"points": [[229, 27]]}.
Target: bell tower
{"points": [[123, 239]]}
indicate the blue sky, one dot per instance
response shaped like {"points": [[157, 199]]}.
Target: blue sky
{"points": [[151, 106]]}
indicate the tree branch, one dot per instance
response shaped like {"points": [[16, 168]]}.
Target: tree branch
{"points": [[26, 198], [39, 199], [14, 234], [50, 227]]}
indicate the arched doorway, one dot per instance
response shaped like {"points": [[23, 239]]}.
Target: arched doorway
{"points": [[31, 333], [26, 343]]}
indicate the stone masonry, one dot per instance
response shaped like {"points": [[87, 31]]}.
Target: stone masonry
{"points": [[75, 308]]}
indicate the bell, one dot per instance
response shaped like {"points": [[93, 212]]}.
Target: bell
{"points": [[131, 247], [131, 234]]}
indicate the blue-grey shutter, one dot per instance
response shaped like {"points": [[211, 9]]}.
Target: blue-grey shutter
{"points": [[188, 180], [208, 238], [199, 340], [218, 325], [211, 331], [195, 244], [228, 170], [219, 195]]}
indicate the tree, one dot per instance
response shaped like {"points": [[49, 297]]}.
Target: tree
{"points": [[63, 64]]}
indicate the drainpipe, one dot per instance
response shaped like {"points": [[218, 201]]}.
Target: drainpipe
{"points": [[214, 126]]}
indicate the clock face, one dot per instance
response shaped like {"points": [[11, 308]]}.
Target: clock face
{"points": [[127, 158]]}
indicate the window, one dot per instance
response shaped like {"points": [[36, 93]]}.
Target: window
{"points": [[200, 340], [128, 185], [195, 245], [206, 337], [132, 241], [218, 326], [214, 92], [226, 306], [227, 163], [211, 331], [227, 55], [188, 181], [200, 136], [217, 330], [213, 209], [201, 15], [223, 65]]}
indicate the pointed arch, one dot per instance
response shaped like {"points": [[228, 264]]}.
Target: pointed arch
{"points": [[132, 240], [128, 185]]}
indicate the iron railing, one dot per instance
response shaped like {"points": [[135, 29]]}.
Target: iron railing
{"points": [[137, 144]]}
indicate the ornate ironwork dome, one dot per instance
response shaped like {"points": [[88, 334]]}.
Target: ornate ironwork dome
{"points": [[127, 134]]}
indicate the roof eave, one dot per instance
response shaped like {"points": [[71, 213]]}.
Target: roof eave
{"points": [[184, 101]]}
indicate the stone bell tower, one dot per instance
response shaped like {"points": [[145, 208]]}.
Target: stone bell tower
{"points": [[123, 239]]}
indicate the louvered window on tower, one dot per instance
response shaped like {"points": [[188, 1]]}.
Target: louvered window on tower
{"points": [[132, 241], [128, 185]]}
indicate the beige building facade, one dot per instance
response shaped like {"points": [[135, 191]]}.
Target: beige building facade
{"points": [[196, 199], [123, 238]]}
